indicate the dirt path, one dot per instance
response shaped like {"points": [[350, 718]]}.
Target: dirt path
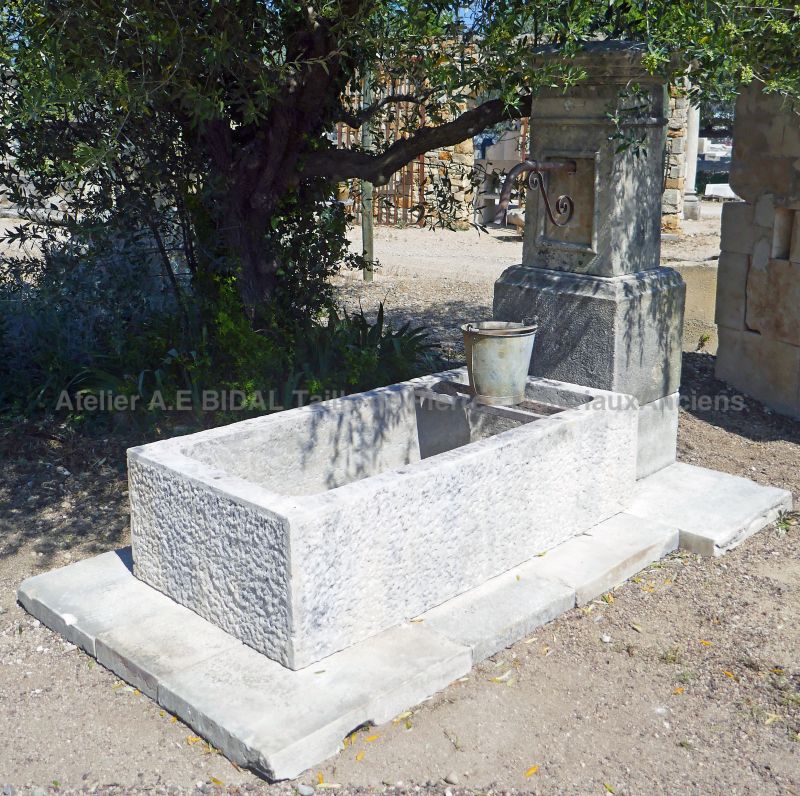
{"points": [[697, 692]]}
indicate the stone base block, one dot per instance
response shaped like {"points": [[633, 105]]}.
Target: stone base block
{"points": [[621, 333], [692, 207], [767, 369], [607, 555], [714, 511], [657, 438]]}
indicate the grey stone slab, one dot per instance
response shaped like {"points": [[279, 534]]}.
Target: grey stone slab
{"points": [[658, 434], [145, 652], [83, 600], [280, 722], [714, 511], [503, 610], [607, 555]]}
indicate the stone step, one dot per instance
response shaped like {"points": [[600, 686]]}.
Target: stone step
{"points": [[714, 511]]}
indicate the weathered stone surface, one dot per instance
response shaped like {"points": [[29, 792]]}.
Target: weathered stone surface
{"points": [[607, 555], [769, 370], [235, 523], [794, 250], [731, 289], [624, 331], [617, 221], [764, 210], [738, 230], [773, 301], [146, 653], [494, 615], [657, 434], [279, 722], [714, 511], [85, 599]]}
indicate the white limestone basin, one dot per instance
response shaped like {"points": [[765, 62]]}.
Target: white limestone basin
{"points": [[306, 531]]}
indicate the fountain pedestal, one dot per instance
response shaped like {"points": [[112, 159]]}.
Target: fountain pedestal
{"points": [[610, 317]]}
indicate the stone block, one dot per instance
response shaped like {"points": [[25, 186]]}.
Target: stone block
{"points": [[305, 515], [503, 610], [657, 434], [624, 331], [280, 723], [773, 301], [738, 229], [678, 146], [764, 210], [769, 370], [714, 511], [146, 653], [607, 555], [83, 600], [731, 289], [692, 207]]}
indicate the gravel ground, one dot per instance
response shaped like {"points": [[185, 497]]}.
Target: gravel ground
{"points": [[685, 680]]}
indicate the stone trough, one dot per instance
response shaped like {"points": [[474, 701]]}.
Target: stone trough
{"points": [[332, 566], [305, 532]]}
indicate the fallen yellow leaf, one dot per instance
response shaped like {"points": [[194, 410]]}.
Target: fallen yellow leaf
{"points": [[320, 778], [608, 598], [406, 714], [678, 691], [608, 787], [706, 643], [174, 719], [192, 739], [360, 756], [730, 674], [371, 738], [215, 781], [531, 771]]}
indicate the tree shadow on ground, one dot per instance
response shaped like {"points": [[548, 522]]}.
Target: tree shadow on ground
{"points": [[62, 491], [719, 404]]}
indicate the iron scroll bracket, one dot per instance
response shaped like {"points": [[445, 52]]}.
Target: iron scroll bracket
{"points": [[559, 213]]}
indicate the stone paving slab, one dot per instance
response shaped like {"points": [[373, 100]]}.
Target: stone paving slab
{"points": [[144, 653], [714, 511], [606, 555], [83, 600], [503, 610], [280, 722]]}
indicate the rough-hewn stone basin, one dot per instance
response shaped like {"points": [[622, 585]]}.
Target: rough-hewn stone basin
{"points": [[306, 531]]}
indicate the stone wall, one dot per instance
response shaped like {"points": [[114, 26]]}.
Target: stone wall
{"points": [[758, 289], [675, 162]]}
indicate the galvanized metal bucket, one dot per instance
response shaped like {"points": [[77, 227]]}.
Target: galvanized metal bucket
{"points": [[498, 360]]}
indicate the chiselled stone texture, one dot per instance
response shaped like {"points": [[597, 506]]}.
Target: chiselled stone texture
{"points": [[758, 290], [304, 532]]}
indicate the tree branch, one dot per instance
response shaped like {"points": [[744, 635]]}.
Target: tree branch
{"points": [[342, 164], [356, 119]]}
